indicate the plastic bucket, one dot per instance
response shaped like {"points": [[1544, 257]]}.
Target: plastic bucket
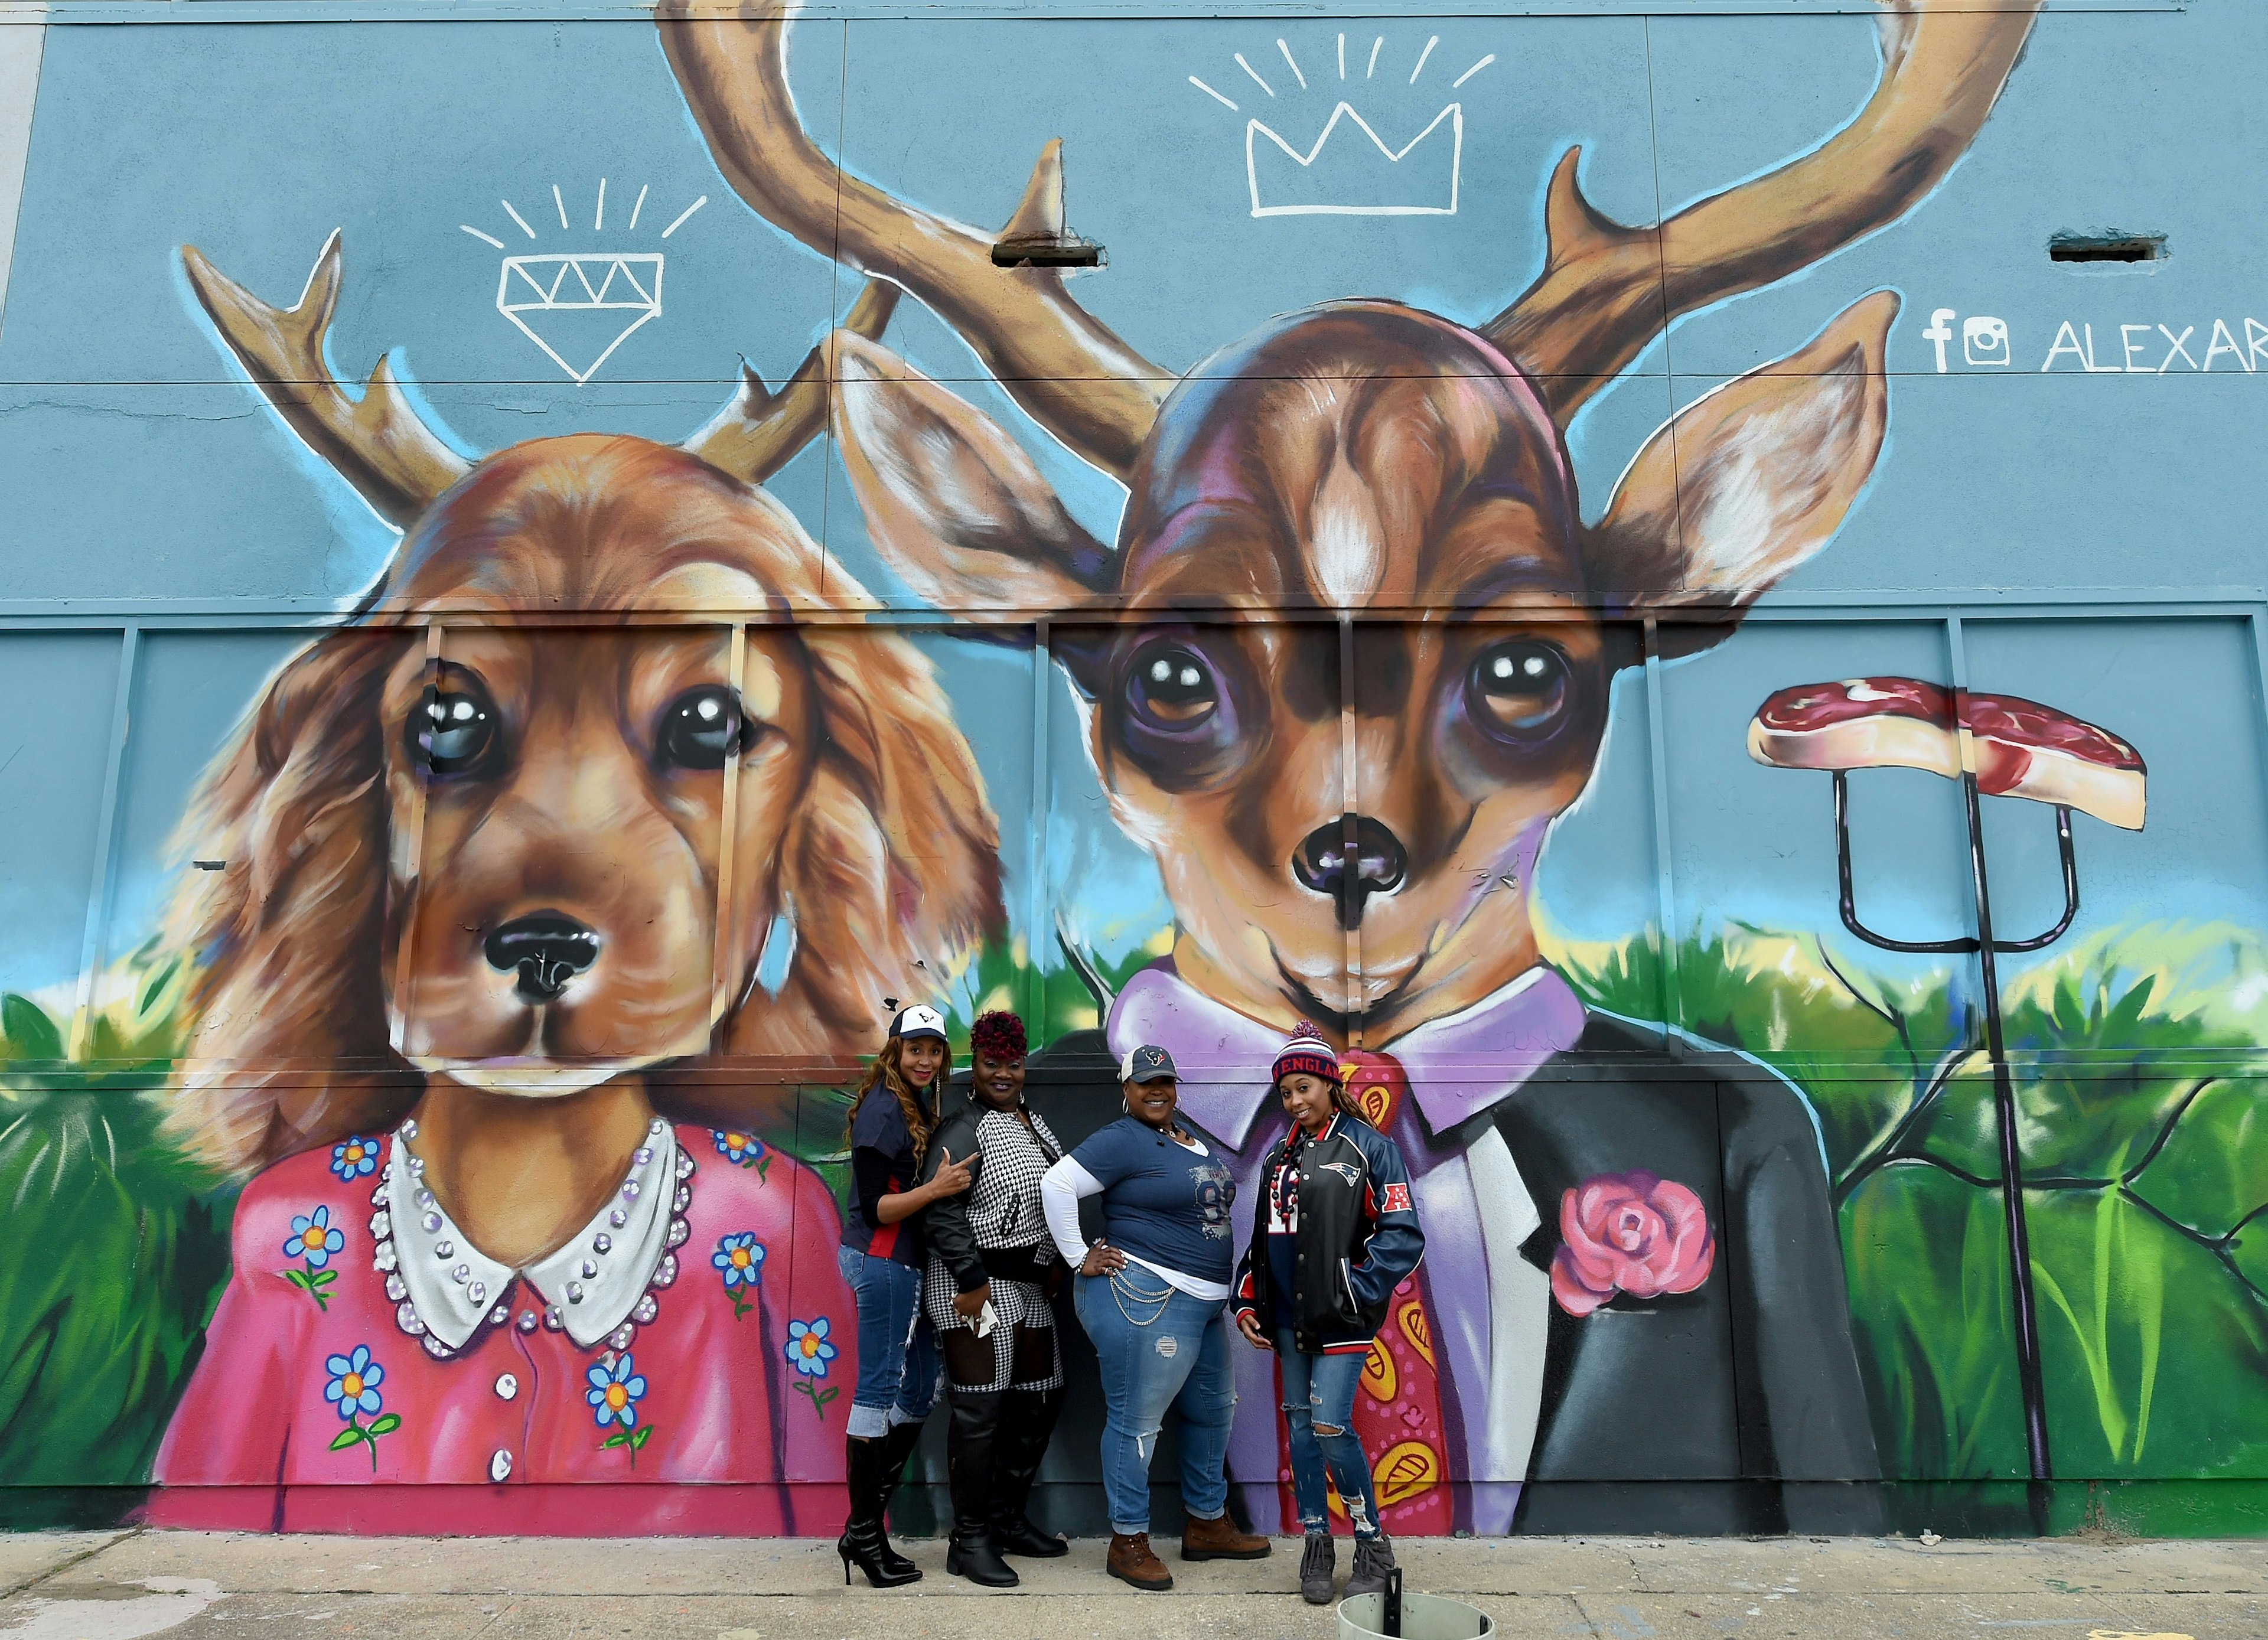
{"points": [[1424, 1617]]}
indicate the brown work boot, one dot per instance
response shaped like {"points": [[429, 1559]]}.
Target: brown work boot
{"points": [[1219, 1539], [1131, 1561]]}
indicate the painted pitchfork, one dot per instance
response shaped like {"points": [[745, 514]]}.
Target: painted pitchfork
{"points": [[1995, 745]]}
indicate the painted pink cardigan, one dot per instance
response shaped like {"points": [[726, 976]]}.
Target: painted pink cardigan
{"points": [[738, 1391]]}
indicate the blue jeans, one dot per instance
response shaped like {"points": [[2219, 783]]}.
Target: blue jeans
{"points": [[1158, 1347], [1319, 1410], [898, 1357]]}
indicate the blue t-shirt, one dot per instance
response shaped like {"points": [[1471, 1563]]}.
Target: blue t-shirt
{"points": [[1162, 1201]]}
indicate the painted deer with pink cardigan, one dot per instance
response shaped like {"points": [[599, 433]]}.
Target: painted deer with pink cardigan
{"points": [[1346, 662]]}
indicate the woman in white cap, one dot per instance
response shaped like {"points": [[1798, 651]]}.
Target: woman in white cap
{"points": [[1150, 1293], [1335, 1234], [882, 1257]]}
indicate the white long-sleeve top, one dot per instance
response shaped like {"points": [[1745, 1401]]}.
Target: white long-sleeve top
{"points": [[1061, 1189]]}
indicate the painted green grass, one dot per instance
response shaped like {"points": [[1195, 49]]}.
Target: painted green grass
{"points": [[2137, 1059], [2146, 1142]]}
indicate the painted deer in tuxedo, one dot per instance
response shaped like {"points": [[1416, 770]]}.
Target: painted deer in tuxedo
{"points": [[1364, 481]]}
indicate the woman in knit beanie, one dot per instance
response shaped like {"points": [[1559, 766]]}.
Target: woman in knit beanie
{"points": [[1334, 1233]]}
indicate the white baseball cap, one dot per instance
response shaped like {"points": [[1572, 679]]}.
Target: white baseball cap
{"points": [[921, 1019]]}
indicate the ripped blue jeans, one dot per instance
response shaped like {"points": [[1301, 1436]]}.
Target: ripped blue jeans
{"points": [[1319, 1412], [1157, 1347]]}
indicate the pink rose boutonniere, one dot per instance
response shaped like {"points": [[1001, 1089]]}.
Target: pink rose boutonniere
{"points": [[1629, 1232]]}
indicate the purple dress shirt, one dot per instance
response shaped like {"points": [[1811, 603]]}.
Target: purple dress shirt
{"points": [[1490, 1307]]}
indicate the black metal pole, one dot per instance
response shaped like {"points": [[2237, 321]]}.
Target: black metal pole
{"points": [[2011, 1178]]}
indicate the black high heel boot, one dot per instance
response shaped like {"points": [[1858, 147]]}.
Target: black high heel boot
{"points": [[1027, 1421], [899, 1445], [969, 1456], [864, 1544]]}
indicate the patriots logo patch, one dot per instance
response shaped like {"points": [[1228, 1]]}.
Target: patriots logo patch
{"points": [[1344, 1170], [1397, 1199]]}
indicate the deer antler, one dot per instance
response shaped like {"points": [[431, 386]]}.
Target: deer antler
{"points": [[1607, 290], [382, 448], [378, 444], [1061, 365], [759, 432]]}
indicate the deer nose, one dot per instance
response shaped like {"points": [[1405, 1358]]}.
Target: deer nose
{"points": [[1376, 865], [547, 948]]}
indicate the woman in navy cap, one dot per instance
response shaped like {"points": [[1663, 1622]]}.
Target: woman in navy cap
{"points": [[1150, 1293], [882, 1257]]}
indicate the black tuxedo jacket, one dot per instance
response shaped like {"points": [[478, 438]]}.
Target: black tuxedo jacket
{"points": [[1735, 1408]]}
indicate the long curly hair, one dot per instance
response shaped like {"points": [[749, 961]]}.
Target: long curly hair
{"points": [[886, 1072]]}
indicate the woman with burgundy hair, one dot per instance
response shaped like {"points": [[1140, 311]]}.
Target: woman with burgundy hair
{"points": [[992, 1273]]}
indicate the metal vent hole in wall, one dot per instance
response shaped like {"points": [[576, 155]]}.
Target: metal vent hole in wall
{"points": [[1047, 251], [2106, 247]]}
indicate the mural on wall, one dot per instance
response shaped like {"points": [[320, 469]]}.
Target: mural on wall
{"points": [[477, 1087], [1328, 811]]}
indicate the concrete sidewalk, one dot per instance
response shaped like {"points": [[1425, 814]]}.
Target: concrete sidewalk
{"points": [[116, 1585]]}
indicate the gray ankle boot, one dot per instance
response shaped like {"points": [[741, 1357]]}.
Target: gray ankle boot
{"points": [[1317, 1562], [1373, 1558]]}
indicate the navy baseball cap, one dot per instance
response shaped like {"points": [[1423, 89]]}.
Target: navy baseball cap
{"points": [[1148, 1063]]}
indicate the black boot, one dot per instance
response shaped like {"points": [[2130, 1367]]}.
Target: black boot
{"points": [[1027, 1421], [898, 1447], [968, 1450], [863, 1543]]}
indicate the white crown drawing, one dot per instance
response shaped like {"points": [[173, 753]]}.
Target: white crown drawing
{"points": [[1360, 174]]}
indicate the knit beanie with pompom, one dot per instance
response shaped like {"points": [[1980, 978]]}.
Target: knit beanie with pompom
{"points": [[1306, 1052]]}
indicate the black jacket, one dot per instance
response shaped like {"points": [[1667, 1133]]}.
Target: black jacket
{"points": [[946, 1220], [1735, 1408], [1358, 1235]]}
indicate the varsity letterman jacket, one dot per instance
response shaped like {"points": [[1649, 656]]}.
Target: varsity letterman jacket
{"points": [[1358, 1236]]}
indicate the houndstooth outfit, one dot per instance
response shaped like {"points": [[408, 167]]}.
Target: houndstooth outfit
{"points": [[1003, 1207]]}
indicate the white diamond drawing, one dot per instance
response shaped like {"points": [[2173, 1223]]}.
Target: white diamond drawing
{"points": [[540, 293]]}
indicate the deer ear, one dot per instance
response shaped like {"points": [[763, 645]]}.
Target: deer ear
{"points": [[952, 503], [1745, 483]]}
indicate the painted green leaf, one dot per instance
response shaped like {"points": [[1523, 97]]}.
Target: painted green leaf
{"points": [[2213, 1171], [620, 1437], [95, 1347], [2247, 1253], [2149, 1343], [385, 1424], [31, 1033], [1927, 1267], [639, 1439], [352, 1435]]}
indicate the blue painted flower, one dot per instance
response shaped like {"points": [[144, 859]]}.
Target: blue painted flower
{"points": [[354, 1383], [314, 1238], [808, 1350], [740, 1258], [614, 1392], [743, 1150], [354, 1158]]}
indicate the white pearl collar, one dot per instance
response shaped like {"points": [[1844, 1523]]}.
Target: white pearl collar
{"points": [[597, 1286]]}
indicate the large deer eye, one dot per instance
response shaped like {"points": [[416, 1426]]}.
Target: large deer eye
{"points": [[452, 731], [1172, 688], [1519, 688], [700, 728]]}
